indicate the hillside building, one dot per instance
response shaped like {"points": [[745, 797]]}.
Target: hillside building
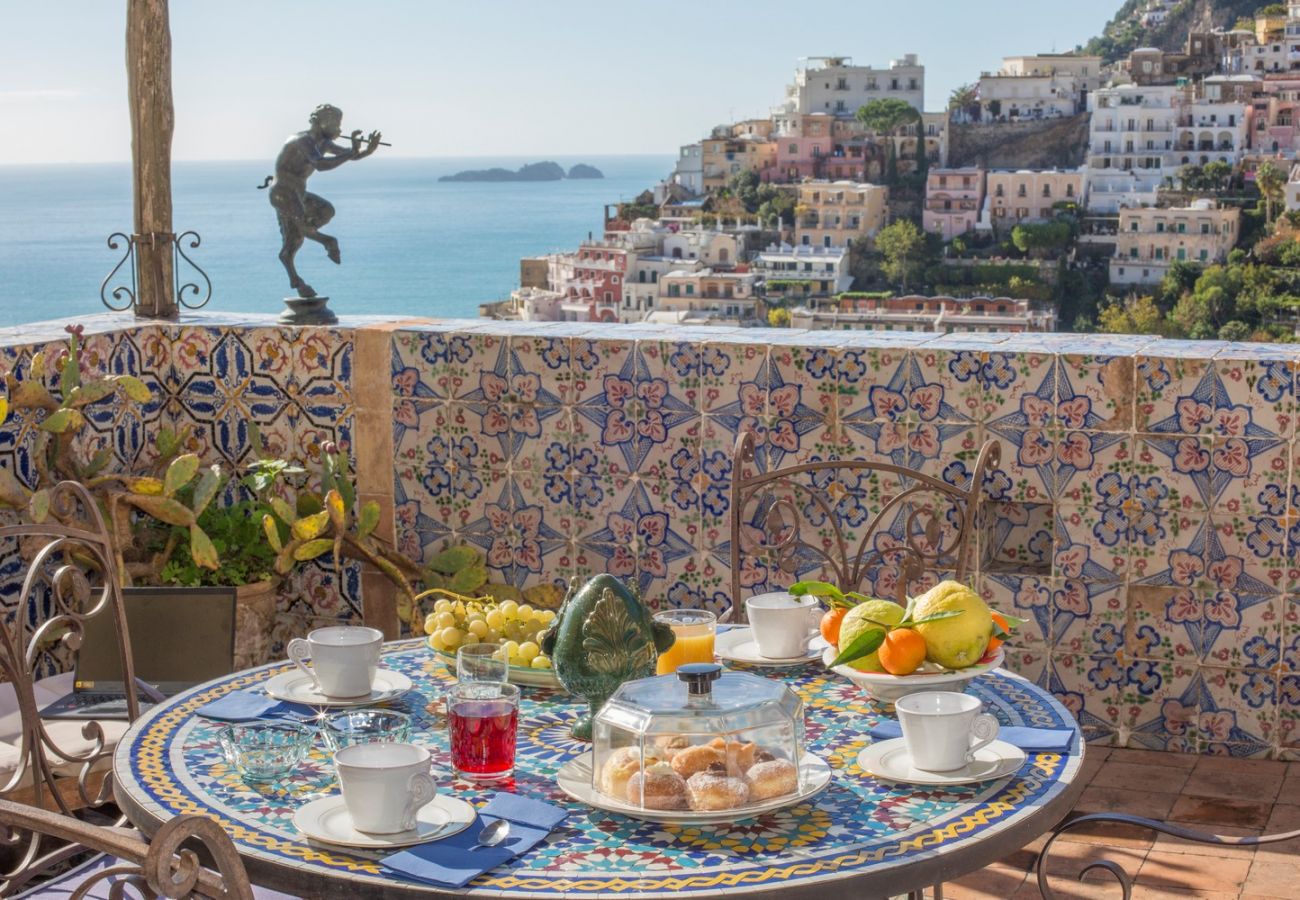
{"points": [[1150, 239], [836, 213], [953, 198]]}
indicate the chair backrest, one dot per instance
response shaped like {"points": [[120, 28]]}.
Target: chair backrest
{"points": [[70, 576], [869, 521], [159, 868]]}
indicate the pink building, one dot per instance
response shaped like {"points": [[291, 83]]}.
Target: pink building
{"points": [[1275, 129], [801, 145], [953, 198]]}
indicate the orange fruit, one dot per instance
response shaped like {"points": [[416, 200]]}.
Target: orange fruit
{"points": [[902, 652], [831, 625], [995, 642]]}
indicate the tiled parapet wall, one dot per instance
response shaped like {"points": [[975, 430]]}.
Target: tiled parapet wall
{"points": [[1144, 519]]}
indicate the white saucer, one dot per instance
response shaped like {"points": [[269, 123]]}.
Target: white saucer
{"points": [[326, 820], [296, 687], [738, 645], [890, 761], [574, 778]]}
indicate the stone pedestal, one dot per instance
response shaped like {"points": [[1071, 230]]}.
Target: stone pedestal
{"points": [[254, 615], [308, 311]]}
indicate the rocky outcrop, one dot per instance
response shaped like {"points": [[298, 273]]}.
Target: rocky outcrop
{"points": [[582, 170], [1046, 144]]}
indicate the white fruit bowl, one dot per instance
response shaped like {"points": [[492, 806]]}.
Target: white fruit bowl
{"points": [[886, 688]]}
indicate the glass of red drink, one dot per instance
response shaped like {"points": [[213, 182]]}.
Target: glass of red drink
{"points": [[483, 718]]}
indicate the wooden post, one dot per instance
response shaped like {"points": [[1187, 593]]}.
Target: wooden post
{"points": [[149, 88]]}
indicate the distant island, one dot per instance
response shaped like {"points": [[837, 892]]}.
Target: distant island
{"points": [[542, 171]]}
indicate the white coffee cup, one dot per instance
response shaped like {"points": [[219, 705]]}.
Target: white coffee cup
{"points": [[384, 785], [782, 623], [943, 729], [343, 659]]}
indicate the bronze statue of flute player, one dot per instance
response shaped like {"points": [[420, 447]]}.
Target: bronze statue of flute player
{"points": [[301, 213]]}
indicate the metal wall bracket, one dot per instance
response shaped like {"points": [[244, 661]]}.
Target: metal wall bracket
{"points": [[189, 294]]}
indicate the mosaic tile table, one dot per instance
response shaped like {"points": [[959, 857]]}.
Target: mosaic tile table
{"points": [[859, 837]]}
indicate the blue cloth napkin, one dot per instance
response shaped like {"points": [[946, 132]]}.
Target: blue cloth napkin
{"points": [[246, 706], [1056, 740], [455, 861]]}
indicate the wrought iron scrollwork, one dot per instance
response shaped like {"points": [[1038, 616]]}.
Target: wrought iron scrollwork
{"points": [[193, 293], [1122, 877], [932, 508]]}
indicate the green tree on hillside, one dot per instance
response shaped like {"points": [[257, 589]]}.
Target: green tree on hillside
{"points": [[965, 98], [902, 244], [1138, 315], [885, 116], [1271, 181]]}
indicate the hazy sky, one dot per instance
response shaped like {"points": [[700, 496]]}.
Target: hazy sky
{"points": [[485, 78]]}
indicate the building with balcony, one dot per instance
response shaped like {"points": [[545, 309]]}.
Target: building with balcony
{"points": [[953, 198], [833, 85], [724, 158], [689, 171], [836, 213], [1041, 86], [821, 271], [1275, 117], [1027, 195], [925, 314], [1212, 131], [706, 297], [1131, 141], [1151, 238]]}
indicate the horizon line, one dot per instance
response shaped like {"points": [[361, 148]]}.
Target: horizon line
{"points": [[543, 157]]}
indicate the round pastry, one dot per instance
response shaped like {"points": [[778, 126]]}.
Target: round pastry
{"points": [[667, 747], [621, 765], [715, 789], [657, 787], [696, 759], [772, 778], [741, 756]]}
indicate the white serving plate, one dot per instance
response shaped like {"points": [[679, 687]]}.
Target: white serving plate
{"points": [[327, 820], [528, 677], [890, 761], [575, 780], [738, 645], [296, 687], [888, 688]]}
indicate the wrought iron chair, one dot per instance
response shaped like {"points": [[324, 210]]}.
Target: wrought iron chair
{"points": [[1115, 869], [922, 524], [70, 577], [160, 868]]}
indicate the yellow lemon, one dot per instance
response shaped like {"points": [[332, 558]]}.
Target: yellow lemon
{"points": [[960, 641], [865, 616]]}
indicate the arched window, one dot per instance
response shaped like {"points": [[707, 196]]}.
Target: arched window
{"points": [[723, 255], [677, 253]]}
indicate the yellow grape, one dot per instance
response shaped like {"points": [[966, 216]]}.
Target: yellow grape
{"points": [[525, 612], [478, 628], [508, 608], [518, 661], [495, 620], [451, 638], [430, 623], [540, 662], [492, 637], [510, 648], [528, 651], [442, 606], [444, 620]]}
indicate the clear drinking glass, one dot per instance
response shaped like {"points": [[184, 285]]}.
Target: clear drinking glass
{"points": [[477, 662], [266, 751], [484, 721], [694, 630], [365, 726]]}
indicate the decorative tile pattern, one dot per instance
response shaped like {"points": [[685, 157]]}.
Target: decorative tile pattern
{"points": [[1145, 516]]}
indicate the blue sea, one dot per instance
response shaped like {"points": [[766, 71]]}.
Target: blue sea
{"points": [[410, 244]]}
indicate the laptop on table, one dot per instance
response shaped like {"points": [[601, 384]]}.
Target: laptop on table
{"points": [[179, 639]]}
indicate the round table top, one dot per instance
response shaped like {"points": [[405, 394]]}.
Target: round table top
{"points": [[883, 838]]}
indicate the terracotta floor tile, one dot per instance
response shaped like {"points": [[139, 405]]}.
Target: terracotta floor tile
{"points": [[1132, 776], [1068, 859], [1208, 811], [1141, 892], [1241, 766], [1272, 877], [1113, 834], [990, 883], [1170, 844], [1290, 791], [1153, 757], [1284, 818], [1233, 785], [1191, 872], [1137, 803], [1069, 889]]}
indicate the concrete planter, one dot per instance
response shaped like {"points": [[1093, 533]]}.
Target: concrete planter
{"points": [[254, 615]]}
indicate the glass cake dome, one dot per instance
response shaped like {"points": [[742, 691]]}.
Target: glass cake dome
{"points": [[701, 739]]}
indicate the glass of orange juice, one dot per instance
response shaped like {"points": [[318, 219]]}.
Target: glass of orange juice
{"points": [[694, 629]]}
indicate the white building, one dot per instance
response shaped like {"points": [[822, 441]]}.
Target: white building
{"points": [[833, 85], [826, 269], [689, 172], [1040, 87], [1131, 143], [1293, 189], [641, 286], [1209, 131]]}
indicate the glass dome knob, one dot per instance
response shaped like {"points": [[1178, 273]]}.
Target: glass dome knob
{"points": [[699, 677]]}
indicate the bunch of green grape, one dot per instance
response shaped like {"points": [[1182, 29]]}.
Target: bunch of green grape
{"points": [[515, 626]]}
